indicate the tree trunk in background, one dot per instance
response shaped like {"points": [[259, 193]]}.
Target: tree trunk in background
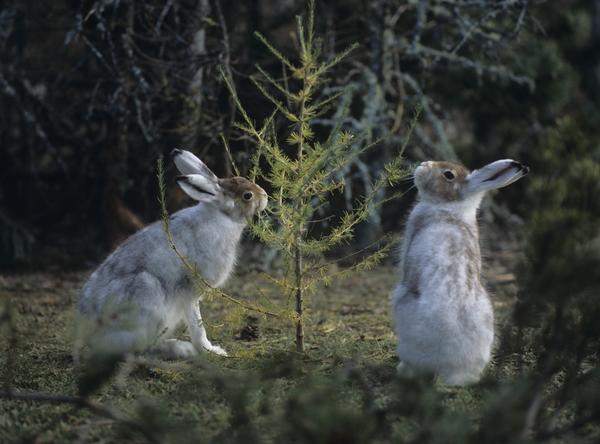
{"points": [[118, 220], [596, 22], [193, 114], [592, 55], [371, 229]]}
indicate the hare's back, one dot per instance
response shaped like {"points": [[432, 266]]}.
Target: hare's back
{"points": [[142, 254]]}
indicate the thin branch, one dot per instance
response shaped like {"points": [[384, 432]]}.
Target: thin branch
{"points": [[491, 70], [422, 7]]}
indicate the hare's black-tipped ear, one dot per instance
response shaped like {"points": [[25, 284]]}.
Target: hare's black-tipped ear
{"points": [[495, 175], [198, 187], [187, 163]]}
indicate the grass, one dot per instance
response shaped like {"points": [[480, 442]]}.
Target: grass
{"points": [[349, 357]]}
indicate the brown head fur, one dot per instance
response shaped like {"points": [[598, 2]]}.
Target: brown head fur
{"points": [[250, 197], [440, 180]]}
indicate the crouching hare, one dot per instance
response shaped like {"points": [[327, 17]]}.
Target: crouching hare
{"points": [[443, 316], [145, 275]]}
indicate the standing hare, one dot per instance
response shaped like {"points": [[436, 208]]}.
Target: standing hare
{"points": [[443, 316], [145, 275]]}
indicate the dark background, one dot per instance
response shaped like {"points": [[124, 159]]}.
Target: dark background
{"points": [[91, 93]]}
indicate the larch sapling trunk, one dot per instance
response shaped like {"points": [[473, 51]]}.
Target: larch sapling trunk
{"points": [[298, 252]]}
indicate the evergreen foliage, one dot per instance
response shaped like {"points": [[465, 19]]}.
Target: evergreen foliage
{"points": [[301, 171], [556, 335]]}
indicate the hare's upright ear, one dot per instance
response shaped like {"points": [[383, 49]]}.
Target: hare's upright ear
{"points": [[495, 175], [187, 163], [199, 188]]}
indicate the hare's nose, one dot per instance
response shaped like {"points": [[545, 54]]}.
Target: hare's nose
{"points": [[263, 203]]}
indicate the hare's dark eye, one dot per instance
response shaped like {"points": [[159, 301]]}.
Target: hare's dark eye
{"points": [[449, 175], [248, 195]]}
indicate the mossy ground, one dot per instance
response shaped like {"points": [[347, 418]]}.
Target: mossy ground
{"points": [[349, 327]]}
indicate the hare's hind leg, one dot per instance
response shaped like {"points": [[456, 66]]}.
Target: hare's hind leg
{"points": [[118, 341], [143, 318], [459, 376], [169, 347], [405, 370], [193, 318], [175, 349], [459, 379]]}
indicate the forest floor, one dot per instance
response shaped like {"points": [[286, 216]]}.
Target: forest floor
{"points": [[348, 326]]}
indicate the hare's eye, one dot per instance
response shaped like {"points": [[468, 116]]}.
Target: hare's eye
{"points": [[449, 175], [248, 195]]}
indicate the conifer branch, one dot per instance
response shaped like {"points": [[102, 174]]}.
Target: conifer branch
{"points": [[274, 51], [229, 156]]}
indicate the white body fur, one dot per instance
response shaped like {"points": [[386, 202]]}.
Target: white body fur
{"points": [[448, 327], [443, 316], [145, 274]]}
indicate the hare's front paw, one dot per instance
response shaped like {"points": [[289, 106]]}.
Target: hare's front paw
{"points": [[216, 349]]}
